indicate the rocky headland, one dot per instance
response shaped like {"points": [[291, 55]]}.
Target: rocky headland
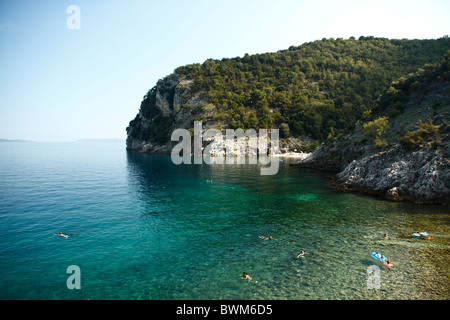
{"points": [[373, 110]]}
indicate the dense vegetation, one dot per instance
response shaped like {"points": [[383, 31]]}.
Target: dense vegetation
{"points": [[417, 91], [417, 83], [319, 89]]}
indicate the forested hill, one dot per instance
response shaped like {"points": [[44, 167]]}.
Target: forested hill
{"points": [[316, 89]]}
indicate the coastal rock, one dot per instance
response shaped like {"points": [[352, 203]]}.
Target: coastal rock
{"points": [[421, 177], [333, 158]]}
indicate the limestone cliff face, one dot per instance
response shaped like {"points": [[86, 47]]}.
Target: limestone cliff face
{"points": [[170, 104]]}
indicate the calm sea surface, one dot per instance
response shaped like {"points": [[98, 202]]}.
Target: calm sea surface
{"points": [[141, 227]]}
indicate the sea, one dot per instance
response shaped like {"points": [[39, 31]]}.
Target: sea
{"points": [[140, 227]]}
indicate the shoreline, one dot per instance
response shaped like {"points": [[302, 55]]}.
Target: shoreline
{"points": [[296, 155]]}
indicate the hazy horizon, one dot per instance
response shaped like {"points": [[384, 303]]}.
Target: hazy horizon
{"points": [[66, 141]]}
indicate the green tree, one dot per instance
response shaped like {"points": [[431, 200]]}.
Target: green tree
{"points": [[426, 134], [284, 131], [257, 98], [376, 129], [252, 120]]}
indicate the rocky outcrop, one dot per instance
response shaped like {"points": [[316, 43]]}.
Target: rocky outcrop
{"points": [[316, 90], [398, 174], [422, 176], [333, 158]]}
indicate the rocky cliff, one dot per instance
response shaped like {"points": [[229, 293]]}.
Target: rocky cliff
{"points": [[168, 105]]}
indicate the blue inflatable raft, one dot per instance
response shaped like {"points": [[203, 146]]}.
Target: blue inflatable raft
{"points": [[378, 256]]}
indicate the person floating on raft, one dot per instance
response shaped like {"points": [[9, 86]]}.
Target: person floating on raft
{"points": [[422, 235]]}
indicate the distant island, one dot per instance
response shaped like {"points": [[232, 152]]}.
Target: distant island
{"points": [[15, 140], [101, 140], [77, 141], [344, 99]]}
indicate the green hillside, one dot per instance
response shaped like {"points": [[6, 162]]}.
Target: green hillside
{"points": [[316, 89]]}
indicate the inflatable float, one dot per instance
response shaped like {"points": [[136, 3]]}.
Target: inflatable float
{"points": [[378, 256], [423, 235]]}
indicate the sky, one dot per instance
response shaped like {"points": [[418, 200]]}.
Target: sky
{"points": [[59, 83]]}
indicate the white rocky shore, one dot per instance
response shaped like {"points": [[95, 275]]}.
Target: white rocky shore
{"points": [[296, 155]]}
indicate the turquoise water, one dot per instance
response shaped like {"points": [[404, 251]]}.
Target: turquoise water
{"points": [[141, 227]]}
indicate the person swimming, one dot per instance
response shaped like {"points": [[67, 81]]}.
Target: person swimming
{"points": [[269, 238], [245, 276], [302, 254], [388, 264], [62, 235]]}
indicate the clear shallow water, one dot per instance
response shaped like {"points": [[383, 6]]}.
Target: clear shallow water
{"points": [[143, 228]]}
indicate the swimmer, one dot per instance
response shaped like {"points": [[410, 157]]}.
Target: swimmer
{"points": [[388, 264], [245, 276], [62, 235], [386, 236], [302, 254], [269, 238]]}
